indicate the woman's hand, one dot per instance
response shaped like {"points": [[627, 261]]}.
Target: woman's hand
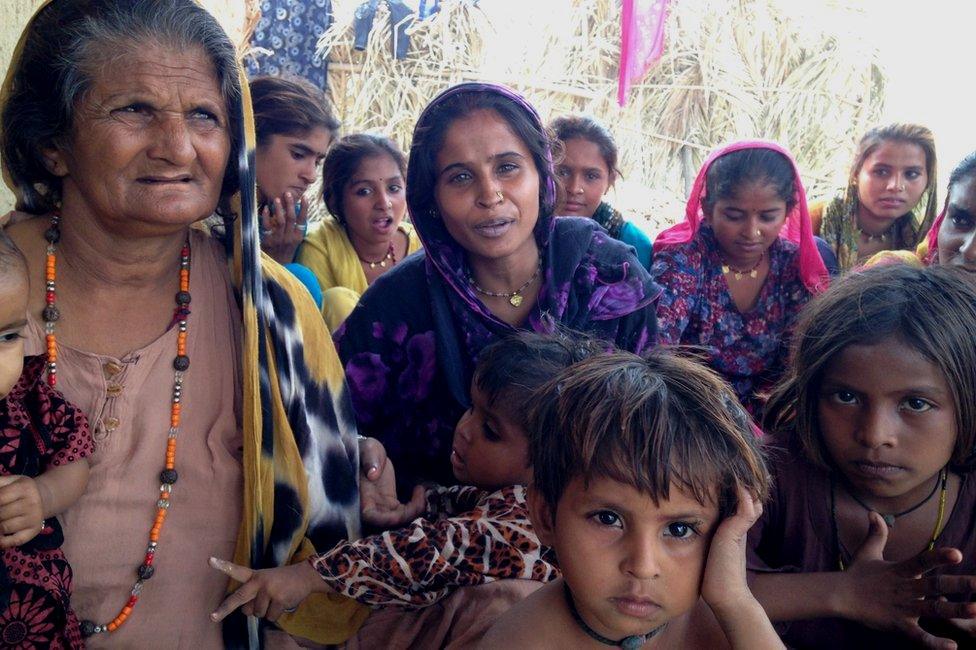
{"points": [[267, 593], [724, 584], [21, 510], [893, 595], [283, 228], [378, 502]]}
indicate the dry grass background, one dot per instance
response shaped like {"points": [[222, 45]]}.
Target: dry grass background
{"points": [[794, 71], [776, 69]]}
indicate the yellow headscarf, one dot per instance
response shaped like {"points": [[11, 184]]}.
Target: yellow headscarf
{"points": [[297, 413]]}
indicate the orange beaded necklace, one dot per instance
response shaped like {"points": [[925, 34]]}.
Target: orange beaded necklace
{"points": [[168, 476]]}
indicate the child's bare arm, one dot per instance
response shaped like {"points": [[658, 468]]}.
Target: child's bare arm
{"points": [[26, 502], [62, 485], [724, 585], [268, 593], [882, 595]]}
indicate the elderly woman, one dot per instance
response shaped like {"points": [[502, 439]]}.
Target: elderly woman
{"points": [[206, 372], [481, 193], [364, 179]]}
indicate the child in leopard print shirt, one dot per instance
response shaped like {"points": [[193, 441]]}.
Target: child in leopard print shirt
{"points": [[446, 537]]}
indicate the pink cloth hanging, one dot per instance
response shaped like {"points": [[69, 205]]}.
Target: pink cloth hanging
{"points": [[641, 41], [797, 229]]}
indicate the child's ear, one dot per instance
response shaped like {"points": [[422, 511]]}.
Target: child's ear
{"points": [[542, 516]]}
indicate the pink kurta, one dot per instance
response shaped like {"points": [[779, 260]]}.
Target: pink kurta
{"points": [[127, 401]]}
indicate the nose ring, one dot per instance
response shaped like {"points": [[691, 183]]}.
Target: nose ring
{"points": [[901, 188], [759, 233], [498, 193], [389, 203]]}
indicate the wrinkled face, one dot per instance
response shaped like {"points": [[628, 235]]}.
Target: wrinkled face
{"points": [[13, 322], [748, 223], [149, 144], [584, 178], [957, 236], [890, 183], [374, 200], [487, 188], [887, 418], [631, 565], [489, 451], [289, 163]]}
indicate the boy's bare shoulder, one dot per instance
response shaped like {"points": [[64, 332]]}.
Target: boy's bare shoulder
{"points": [[529, 624], [696, 629]]}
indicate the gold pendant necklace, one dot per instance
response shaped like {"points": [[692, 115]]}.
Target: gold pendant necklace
{"points": [[514, 297], [737, 274], [389, 257]]}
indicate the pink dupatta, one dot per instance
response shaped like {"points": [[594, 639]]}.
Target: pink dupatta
{"points": [[797, 229], [932, 254]]}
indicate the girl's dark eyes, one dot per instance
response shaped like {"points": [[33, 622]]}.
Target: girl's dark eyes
{"points": [[8, 337], [395, 189], [917, 404], [844, 397], [507, 167]]}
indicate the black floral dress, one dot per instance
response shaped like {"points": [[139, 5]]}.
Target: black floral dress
{"points": [[38, 430]]}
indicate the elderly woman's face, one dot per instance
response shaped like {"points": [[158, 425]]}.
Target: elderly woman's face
{"points": [[149, 144]]}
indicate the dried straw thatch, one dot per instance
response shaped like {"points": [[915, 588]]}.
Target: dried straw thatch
{"points": [[731, 69]]}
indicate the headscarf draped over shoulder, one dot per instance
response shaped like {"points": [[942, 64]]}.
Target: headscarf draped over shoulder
{"points": [[797, 229], [299, 434]]}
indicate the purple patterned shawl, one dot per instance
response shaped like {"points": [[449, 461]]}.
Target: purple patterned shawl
{"points": [[410, 345]]}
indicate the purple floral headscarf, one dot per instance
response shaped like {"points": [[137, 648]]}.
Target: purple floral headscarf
{"points": [[411, 344]]}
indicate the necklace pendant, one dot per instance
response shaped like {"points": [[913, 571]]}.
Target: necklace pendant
{"points": [[753, 273], [738, 276], [383, 264], [632, 642], [890, 520], [725, 269], [515, 300]]}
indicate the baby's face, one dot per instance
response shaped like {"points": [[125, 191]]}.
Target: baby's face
{"points": [[13, 321], [631, 564]]}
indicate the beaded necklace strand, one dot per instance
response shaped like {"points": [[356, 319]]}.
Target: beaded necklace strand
{"points": [[168, 476]]}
